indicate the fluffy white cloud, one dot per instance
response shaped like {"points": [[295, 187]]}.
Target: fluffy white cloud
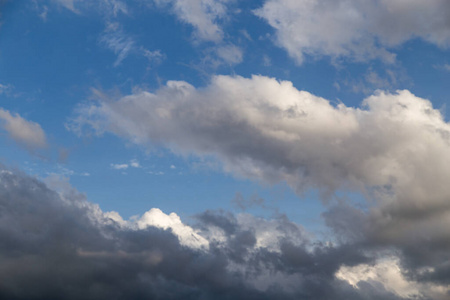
{"points": [[388, 272], [188, 237], [361, 30], [23, 132], [265, 129]]}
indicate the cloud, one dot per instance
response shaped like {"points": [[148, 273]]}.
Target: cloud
{"points": [[230, 54], [268, 130], [388, 272], [26, 133], [5, 89], [117, 41], [108, 7], [56, 244], [359, 30], [122, 44], [119, 166], [202, 15], [394, 152], [134, 163]]}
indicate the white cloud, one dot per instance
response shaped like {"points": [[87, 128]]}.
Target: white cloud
{"points": [[361, 30], [5, 89], [388, 272], [154, 57], [119, 166], [230, 54], [202, 15], [135, 163], [23, 132], [122, 44], [189, 237], [69, 4], [117, 41], [109, 7]]}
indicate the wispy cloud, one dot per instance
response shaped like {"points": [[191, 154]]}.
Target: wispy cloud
{"points": [[26, 133], [115, 39]]}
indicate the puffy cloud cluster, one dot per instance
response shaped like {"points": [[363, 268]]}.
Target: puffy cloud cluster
{"points": [[57, 245], [24, 132], [360, 30], [395, 151]]}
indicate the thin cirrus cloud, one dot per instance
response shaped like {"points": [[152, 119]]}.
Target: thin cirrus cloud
{"points": [[109, 7], [26, 133], [359, 30], [395, 151], [122, 44], [224, 257]]}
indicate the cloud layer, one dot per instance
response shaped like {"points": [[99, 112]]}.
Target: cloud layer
{"points": [[57, 245], [359, 30]]}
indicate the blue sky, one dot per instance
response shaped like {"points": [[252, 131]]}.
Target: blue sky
{"points": [[322, 112]]}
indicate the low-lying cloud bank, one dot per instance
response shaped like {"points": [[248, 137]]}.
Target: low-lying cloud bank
{"points": [[57, 245]]}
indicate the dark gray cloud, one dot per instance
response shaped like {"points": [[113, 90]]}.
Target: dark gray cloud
{"points": [[57, 245]]}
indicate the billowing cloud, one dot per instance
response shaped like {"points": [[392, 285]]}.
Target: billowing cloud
{"points": [[268, 130], [26, 133], [57, 245], [360, 30], [394, 151]]}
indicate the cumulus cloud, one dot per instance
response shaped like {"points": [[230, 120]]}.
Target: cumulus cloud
{"points": [[24, 132], [57, 245], [360, 30], [394, 151]]}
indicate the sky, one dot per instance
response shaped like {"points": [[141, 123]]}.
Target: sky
{"points": [[224, 149]]}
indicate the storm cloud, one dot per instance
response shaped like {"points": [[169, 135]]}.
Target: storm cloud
{"points": [[57, 245]]}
